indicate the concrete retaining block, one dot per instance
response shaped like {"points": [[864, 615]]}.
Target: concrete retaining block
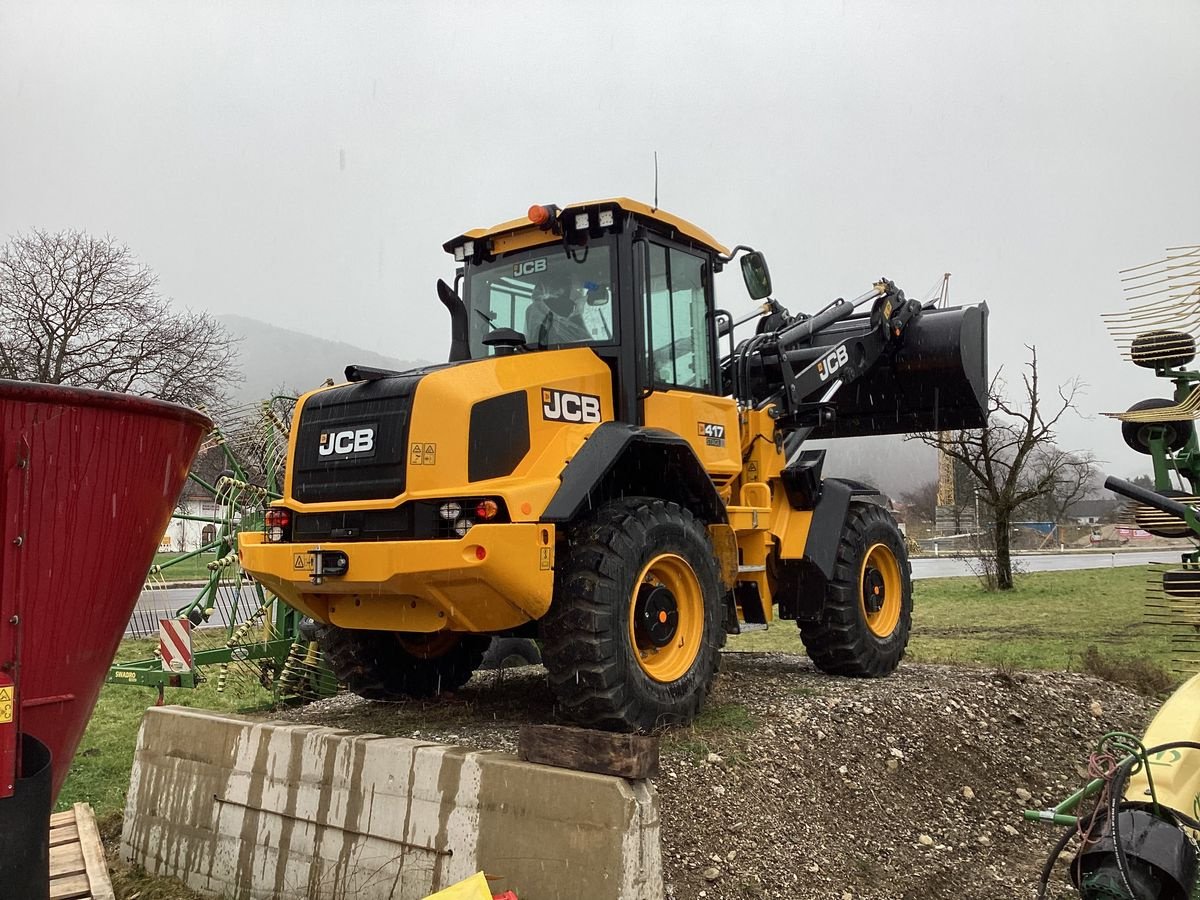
{"points": [[248, 809]]}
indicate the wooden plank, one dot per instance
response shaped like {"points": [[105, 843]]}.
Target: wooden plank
{"points": [[64, 834], [71, 888], [63, 818], [66, 860], [624, 755], [93, 853]]}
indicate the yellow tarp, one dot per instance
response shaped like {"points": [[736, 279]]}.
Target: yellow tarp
{"points": [[473, 888]]}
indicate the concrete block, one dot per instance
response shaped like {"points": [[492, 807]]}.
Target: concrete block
{"points": [[259, 810]]}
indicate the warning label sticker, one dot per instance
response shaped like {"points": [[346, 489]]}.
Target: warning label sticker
{"points": [[6, 704], [421, 454]]}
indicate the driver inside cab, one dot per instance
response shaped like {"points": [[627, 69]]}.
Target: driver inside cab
{"points": [[565, 309]]}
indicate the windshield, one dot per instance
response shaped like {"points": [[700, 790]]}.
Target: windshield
{"points": [[549, 296]]}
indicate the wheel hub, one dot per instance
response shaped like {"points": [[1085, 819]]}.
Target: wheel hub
{"points": [[874, 590], [656, 615]]}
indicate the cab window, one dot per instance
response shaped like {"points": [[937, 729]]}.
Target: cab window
{"points": [[553, 298], [678, 335]]}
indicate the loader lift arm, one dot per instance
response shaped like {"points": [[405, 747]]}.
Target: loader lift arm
{"points": [[806, 376]]}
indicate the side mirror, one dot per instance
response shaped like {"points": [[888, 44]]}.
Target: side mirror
{"points": [[756, 275], [597, 296]]}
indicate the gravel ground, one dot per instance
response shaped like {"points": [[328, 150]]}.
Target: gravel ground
{"points": [[796, 784]]}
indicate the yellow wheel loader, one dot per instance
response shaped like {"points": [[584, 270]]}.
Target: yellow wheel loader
{"points": [[602, 466]]}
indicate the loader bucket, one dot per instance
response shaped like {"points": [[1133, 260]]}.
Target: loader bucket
{"points": [[936, 381], [88, 482]]}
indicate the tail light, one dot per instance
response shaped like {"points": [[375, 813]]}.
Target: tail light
{"points": [[459, 516], [277, 524]]}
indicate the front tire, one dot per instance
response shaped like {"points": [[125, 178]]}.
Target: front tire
{"points": [[863, 630], [386, 665], [632, 640]]}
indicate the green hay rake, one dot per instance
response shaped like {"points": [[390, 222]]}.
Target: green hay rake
{"points": [[1159, 332], [240, 634]]}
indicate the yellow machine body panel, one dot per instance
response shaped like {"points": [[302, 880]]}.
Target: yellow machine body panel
{"points": [[504, 570], [1176, 773], [709, 424]]}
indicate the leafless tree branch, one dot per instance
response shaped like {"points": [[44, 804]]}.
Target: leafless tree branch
{"points": [[80, 310]]}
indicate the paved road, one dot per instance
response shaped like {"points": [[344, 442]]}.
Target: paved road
{"points": [[162, 603], [942, 567]]}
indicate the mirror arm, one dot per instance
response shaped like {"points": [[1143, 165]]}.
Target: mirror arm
{"points": [[734, 252]]}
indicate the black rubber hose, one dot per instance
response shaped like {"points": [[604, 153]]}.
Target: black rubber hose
{"points": [[1048, 869], [1148, 497]]}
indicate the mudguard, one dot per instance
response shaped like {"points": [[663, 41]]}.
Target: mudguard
{"points": [[625, 460]]}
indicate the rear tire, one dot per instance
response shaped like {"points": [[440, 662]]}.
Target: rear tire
{"points": [[633, 637], [1162, 349], [863, 630], [386, 665], [1137, 434], [511, 653]]}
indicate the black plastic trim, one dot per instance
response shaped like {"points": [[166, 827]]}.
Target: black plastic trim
{"points": [[802, 479], [499, 436], [829, 520]]}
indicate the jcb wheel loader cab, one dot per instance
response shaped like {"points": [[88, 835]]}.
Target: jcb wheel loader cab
{"points": [[632, 639]]}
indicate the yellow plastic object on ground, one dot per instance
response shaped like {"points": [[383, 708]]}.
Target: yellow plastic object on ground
{"points": [[1176, 772], [473, 888]]}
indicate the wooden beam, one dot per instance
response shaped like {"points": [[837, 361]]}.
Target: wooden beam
{"points": [[64, 834], [93, 853], [72, 888], [66, 860], [624, 755]]}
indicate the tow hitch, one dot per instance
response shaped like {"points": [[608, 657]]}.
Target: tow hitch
{"points": [[328, 562]]}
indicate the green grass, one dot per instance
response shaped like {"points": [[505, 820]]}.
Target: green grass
{"points": [[715, 730], [100, 771], [194, 569], [1046, 623]]}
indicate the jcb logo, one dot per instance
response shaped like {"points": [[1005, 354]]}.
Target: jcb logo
{"points": [[358, 442], [529, 267], [832, 362], [565, 406]]}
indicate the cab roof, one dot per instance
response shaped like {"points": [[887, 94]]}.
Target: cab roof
{"points": [[497, 233]]}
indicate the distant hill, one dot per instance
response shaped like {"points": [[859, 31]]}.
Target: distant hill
{"points": [[270, 356]]}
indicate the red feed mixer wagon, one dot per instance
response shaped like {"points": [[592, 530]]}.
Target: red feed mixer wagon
{"points": [[88, 481]]}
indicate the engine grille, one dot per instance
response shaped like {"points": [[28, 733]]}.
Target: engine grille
{"points": [[351, 442]]}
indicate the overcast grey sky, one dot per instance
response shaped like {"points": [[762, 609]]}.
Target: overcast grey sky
{"points": [[304, 164]]}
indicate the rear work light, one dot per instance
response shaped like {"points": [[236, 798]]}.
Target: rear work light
{"points": [[275, 523]]}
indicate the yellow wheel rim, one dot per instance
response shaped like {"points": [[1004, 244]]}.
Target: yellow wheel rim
{"points": [[881, 589], [666, 618]]}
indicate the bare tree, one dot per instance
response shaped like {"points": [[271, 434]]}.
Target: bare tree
{"points": [[1002, 455], [1070, 476], [80, 310], [922, 501]]}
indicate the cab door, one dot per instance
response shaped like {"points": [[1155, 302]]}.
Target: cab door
{"points": [[679, 362]]}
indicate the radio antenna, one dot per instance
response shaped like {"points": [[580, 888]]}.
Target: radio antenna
{"points": [[655, 181]]}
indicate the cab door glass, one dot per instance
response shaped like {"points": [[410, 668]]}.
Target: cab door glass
{"points": [[678, 339]]}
